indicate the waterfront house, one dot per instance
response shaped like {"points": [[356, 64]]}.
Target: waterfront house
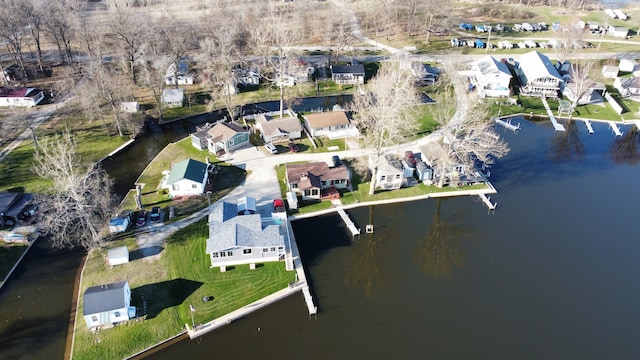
{"points": [[316, 180], [491, 77], [107, 305], [178, 74], [118, 255], [278, 129], [348, 74], [441, 163], [246, 239], [226, 136], [538, 76], [14, 207], [22, 97], [200, 136], [172, 98], [188, 177], [627, 87], [390, 173], [333, 124]]}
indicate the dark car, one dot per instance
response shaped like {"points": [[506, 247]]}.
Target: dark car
{"points": [[278, 205], [142, 218], [293, 147], [336, 160], [155, 214]]}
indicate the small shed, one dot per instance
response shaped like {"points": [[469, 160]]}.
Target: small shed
{"points": [[119, 224], [627, 65], [610, 71], [292, 200], [129, 106], [172, 98], [423, 171], [118, 255]]}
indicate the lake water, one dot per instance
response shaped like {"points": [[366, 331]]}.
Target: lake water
{"points": [[553, 273]]}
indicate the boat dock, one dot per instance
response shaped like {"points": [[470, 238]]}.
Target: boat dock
{"points": [[352, 227], [587, 123], [487, 201], [615, 128], [556, 125], [507, 124]]}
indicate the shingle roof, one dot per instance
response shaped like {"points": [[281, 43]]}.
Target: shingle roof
{"points": [[536, 65], [187, 169], [276, 126], [488, 66], [172, 95], [241, 231], [314, 173], [15, 92], [227, 130], [105, 297], [347, 69], [222, 211], [329, 118]]}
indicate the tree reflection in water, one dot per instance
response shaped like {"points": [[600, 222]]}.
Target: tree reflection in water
{"points": [[625, 150], [369, 259], [566, 144], [441, 251]]}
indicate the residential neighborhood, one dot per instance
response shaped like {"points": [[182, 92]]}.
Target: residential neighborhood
{"points": [[177, 159]]}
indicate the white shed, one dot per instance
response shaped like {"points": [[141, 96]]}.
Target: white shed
{"points": [[292, 200], [628, 65], [610, 71], [118, 224], [118, 255]]}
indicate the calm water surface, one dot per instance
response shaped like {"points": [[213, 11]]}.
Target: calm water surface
{"points": [[551, 275]]}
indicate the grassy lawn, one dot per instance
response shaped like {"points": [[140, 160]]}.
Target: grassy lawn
{"points": [[181, 277], [9, 254], [360, 191]]}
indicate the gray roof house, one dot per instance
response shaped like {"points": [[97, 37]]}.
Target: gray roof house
{"points": [[538, 76], [333, 124], [348, 74], [188, 177], [107, 305], [226, 137], [242, 239], [276, 129], [627, 87], [390, 173], [491, 77]]}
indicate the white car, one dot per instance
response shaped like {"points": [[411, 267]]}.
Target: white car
{"points": [[271, 148]]}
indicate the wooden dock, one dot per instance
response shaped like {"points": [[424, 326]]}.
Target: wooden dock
{"points": [[587, 123], [507, 124], [352, 227], [615, 128], [556, 125], [487, 201]]}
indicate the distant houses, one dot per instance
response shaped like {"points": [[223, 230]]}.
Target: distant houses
{"points": [[20, 96]]}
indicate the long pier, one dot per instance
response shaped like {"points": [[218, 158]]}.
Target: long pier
{"points": [[507, 124], [556, 125], [352, 227], [487, 201]]}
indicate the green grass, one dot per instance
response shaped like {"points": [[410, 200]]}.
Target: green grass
{"points": [[181, 277], [9, 254]]}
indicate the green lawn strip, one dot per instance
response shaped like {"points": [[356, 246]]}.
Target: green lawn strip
{"points": [[9, 254], [181, 277]]}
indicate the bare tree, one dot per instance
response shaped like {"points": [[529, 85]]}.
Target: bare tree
{"points": [[12, 26], [79, 203], [338, 35], [129, 28], [385, 112], [468, 131], [59, 27], [627, 148]]}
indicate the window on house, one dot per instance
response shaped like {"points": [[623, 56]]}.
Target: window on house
{"points": [[214, 255], [398, 176], [116, 314], [94, 318], [383, 178], [273, 249], [280, 248], [246, 251], [265, 250], [223, 254], [229, 253], [175, 187], [324, 183], [194, 186], [294, 186]]}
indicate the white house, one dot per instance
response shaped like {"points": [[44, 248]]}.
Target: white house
{"points": [[491, 77], [390, 173], [178, 74], [236, 240], [172, 98], [188, 177], [23, 97], [627, 87], [118, 255], [333, 124], [348, 74], [277, 129], [538, 76], [618, 31], [435, 156], [628, 65], [107, 305]]}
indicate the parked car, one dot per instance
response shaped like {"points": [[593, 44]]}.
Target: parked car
{"points": [[271, 148], [293, 147], [278, 205], [142, 218], [155, 214], [336, 160]]}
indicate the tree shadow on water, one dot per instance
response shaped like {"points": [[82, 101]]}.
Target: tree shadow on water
{"points": [[163, 295]]}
